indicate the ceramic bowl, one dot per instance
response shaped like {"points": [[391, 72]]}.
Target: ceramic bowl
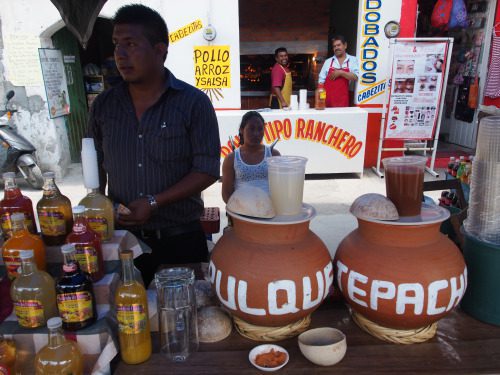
{"points": [[265, 349], [324, 346]]}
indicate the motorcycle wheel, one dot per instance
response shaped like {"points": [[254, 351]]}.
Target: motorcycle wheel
{"points": [[34, 176]]}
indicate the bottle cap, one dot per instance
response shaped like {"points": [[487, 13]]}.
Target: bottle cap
{"points": [[55, 322], [8, 175], [49, 175], [25, 254], [68, 248], [126, 254], [17, 216], [78, 209]]}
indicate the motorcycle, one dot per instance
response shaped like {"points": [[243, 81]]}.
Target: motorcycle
{"points": [[20, 155]]}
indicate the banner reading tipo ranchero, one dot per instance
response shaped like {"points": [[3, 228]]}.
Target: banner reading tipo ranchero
{"points": [[373, 49], [333, 140]]}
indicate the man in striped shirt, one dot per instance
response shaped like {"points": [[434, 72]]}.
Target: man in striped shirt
{"points": [[158, 144]]}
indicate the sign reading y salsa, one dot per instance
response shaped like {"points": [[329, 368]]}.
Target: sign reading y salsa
{"points": [[333, 140]]}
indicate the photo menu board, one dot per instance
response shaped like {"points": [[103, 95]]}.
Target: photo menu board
{"points": [[416, 89]]}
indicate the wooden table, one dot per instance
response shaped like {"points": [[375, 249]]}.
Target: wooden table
{"points": [[461, 345]]}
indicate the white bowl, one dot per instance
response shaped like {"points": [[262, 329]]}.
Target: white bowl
{"points": [[324, 346], [265, 348]]}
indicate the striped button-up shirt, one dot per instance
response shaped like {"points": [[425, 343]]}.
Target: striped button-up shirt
{"points": [[177, 135]]}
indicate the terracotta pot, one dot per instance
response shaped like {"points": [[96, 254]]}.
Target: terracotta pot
{"points": [[270, 274], [400, 276]]}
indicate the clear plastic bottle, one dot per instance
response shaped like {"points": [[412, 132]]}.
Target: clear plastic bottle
{"points": [[14, 201], [320, 97], [21, 239], [7, 356], [99, 213], [33, 293], [54, 213], [75, 293], [87, 244], [59, 356], [132, 314]]}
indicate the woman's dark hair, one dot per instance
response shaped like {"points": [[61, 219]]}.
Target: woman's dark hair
{"points": [[154, 26], [245, 119]]}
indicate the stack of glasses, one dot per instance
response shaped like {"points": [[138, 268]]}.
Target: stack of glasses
{"points": [[483, 221]]}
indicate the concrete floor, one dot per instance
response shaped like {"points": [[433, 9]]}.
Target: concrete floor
{"points": [[330, 197]]}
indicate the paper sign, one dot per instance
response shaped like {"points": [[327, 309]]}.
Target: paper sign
{"points": [[212, 67], [54, 76], [185, 31]]}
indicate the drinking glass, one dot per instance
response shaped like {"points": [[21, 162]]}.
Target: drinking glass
{"points": [[177, 312]]}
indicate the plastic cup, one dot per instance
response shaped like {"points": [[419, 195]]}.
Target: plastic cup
{"points": [[286, 183], [404, 183]]}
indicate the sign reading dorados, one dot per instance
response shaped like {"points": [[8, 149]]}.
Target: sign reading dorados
{"points": [[373, 48]]}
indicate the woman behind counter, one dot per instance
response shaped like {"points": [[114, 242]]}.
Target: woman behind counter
{"points": [[247, 164]]}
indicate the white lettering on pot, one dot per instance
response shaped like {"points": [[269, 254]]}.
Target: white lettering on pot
{"points": [[401, 295], [237, 290]]}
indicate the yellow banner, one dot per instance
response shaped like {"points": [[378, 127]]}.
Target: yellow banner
{"points": [[212, 67], [185, 31]]}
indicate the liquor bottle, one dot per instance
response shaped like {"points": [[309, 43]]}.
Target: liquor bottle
{"points": [[74, 293], [7, 356], [320, 97], [54, 213], [132, 314], [21, 239], [14, 201], [33, 293], [87, 244], [451, 164], [59, 356], [99, 213], [99, 209]]}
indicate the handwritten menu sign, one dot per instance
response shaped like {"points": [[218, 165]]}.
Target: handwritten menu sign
{"points": [[21, 59], [54, 77], [416, 88], [212, 67]]}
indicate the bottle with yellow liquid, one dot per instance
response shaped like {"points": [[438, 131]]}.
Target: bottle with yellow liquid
{"points": [[59, 356], [132, 314], [33, 293], [54, 213], [21, 238], [99, 213], [7, 356], [99, 209]]}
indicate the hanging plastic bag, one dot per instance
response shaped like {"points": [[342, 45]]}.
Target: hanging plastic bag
{"points": [[441, 14], [473, 94], [458, 16]]}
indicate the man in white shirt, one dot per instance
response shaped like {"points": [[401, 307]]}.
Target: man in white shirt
{"points": [[337, 72]]}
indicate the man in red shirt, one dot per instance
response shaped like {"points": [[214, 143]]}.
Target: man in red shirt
{"points": [[281, 80]]}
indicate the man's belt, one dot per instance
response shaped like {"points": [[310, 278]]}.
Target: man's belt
{"points": [[167, 232]]}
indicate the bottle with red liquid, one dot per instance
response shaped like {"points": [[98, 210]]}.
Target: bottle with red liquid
{"points": [[14, 201], [87, 244]]}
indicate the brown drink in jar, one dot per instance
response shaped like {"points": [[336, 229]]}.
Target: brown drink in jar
{"points": [[404, 181]]}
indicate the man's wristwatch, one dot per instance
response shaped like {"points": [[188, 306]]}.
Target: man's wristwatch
{"points": [[152, 202]]}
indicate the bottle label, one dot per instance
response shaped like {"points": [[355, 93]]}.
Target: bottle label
{"points": [[131, 318], [52, 223], [29, 313], [87, 258], [322, 95], [75, 307], [4, 370], [7, 224], [99, 225], [12, 263]]}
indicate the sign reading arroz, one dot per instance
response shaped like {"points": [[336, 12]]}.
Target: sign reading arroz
{"points": [[373, 49], [332, 140]]}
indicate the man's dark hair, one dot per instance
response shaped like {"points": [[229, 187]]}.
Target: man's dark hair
{"points": [[278, 50], [245, 119], [339, 37], [154, 26]]}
